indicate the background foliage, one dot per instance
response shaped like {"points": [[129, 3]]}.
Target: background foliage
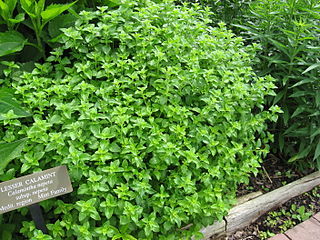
{"points": [[25, 27], [289, 34], [227, 11], [157, 116]]}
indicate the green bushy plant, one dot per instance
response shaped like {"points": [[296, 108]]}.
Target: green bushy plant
{"points": [[289, 33], [157, 116]]}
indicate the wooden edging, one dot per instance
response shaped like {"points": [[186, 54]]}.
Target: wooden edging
{"points": [[249, 211]]}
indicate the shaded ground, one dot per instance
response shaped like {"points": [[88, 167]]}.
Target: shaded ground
{"points": [[275, 174]]}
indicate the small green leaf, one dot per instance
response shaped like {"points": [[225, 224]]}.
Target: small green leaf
{"points": [[39, 7], [95, 215], [114, 147], [10, 151], [11, 42], [128, 237], [18, 18]]}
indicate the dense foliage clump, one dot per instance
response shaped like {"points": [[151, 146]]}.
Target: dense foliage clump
{"points": [[157, 116], [289, 34]]}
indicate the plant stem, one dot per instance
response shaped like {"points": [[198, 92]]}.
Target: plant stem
{"points": [[34, 45], [37, 29]]}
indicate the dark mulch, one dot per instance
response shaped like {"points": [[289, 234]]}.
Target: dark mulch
{"points": [[273, 175], [252, 232]]}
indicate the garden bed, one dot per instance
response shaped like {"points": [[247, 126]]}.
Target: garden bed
{"points": [[283, 189], [279, 220]]}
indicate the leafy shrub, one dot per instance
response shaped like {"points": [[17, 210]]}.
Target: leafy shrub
{"points": [[157, 116], [289, 34]]}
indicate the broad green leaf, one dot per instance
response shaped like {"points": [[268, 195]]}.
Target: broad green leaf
{"points": [[10, 151], [317, 152], [12, 5], [11, 42], [61, 21], [7, 103], [54, 10]]}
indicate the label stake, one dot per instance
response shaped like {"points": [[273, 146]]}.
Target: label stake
{"points": [[37, 217]]}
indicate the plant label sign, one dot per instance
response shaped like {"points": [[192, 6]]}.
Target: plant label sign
{"points": [[34, 188]]}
